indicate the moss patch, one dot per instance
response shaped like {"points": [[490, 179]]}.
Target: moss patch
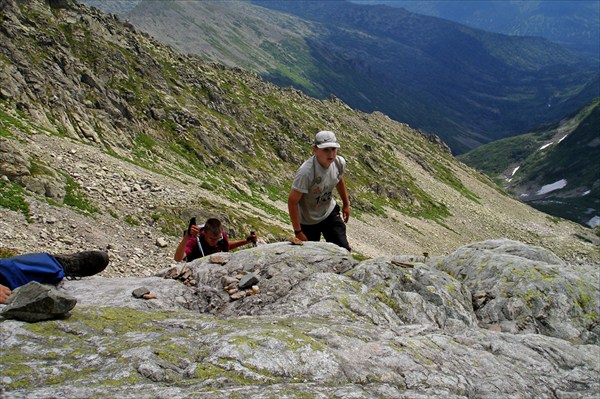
{"points": [[12, 196]]}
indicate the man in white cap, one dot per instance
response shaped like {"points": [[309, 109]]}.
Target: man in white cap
{"points": [[312, 208]]}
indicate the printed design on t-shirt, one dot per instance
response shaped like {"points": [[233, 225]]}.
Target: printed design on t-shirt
{"points": [[324, 198]]}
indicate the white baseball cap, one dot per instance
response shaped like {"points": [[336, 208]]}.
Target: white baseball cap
{"points": [[325, 139]]}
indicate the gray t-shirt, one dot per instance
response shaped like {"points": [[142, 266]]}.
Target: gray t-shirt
{"points": [[317, 185]]}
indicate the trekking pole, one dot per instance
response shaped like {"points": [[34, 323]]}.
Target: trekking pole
{"points": [[200, 244]]}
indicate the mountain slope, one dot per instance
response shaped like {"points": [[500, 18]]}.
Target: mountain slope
{"points": [[111, 139], [572, 24], [467, 86], [554, 169]]}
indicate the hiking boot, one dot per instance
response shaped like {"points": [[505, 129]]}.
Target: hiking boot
{"points": [[82, 264]]}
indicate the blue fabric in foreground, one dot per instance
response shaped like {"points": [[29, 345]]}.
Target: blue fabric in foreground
{"points": [[41, 267]]}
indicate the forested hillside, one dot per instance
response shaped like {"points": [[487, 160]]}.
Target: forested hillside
{"points": [[572, 24]]}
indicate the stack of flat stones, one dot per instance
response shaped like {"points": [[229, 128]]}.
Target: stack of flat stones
{"points": [[184, 275], [241, 285], [238, 286]]}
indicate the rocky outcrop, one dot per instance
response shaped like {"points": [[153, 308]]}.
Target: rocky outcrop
{"points": [[526, 289], [322, 325], [17, 167]]}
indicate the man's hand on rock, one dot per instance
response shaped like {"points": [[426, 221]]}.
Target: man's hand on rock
{"points": [[252, 237], [4, 293]]}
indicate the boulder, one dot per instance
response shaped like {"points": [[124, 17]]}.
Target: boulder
{"points": [[34, 302]]}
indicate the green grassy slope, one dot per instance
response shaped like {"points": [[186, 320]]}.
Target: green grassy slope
{"points": [[569, 150]]}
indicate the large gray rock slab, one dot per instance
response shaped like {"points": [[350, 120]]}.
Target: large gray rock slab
{"points": [[417, 293], [322, 326], [118, 292]]}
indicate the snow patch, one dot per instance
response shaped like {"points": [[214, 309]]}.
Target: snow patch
{"points": [[562, 138], [509, 179], [551, 187], [593, 222], [594, 143], [586, 193], [546, 145]]}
